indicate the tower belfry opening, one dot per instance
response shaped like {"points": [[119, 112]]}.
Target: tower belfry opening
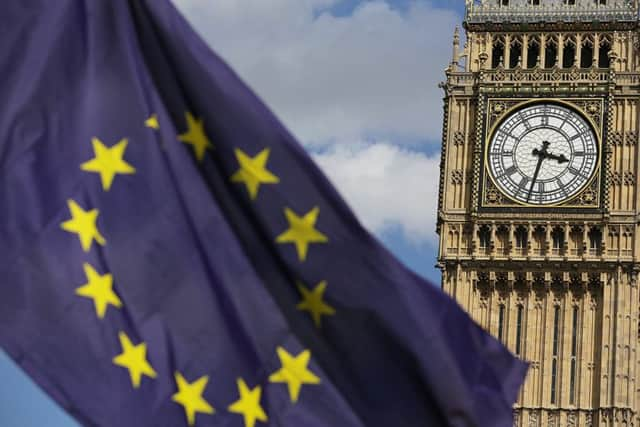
{"points": [[539, 241]]}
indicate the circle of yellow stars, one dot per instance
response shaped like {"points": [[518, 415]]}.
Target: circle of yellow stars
{"points": [[108, 163]]}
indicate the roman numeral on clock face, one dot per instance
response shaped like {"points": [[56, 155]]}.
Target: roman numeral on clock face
{"points": [[561, 187], [510, 170], [523, 183], [577, 172], [576, 136]]}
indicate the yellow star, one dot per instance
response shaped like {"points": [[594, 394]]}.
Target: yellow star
{"points": [[83, 223], [108, 162], [253, 171], [302, 231], [190, 397], [99, 289], [294, 372], [195, 136], [134, 358], [152, 122], [249, 404], [312, 301]]}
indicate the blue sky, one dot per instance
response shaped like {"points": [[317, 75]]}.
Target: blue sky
{"points": [[368, 93]]}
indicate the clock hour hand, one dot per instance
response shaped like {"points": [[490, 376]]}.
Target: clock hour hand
{"points": [[545, 154], [561, 158]]}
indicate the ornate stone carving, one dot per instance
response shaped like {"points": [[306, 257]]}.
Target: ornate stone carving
{"points": [[588, 197], [615, 178], [631, 138], [458, 138], [525, 11], [484, 286], [616, 138], [533, 419], [521, 286], [494, 197], [502, 286], [457, 176], [629, 178], [558, 286], [539, 287], [593, 109], [497, 109]]}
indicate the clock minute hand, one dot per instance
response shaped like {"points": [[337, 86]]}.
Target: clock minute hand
{"points": [[542, 154], [535, 175]]}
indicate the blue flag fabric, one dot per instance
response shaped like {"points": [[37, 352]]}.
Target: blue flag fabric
{"points": [[169, 255]]}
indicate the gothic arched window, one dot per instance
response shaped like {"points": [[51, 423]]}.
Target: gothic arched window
{"points": [[603, 54], [521, 236], [569, 52], [586, 52], [484, 238], [557, 235], [497, 57], [519, 321], [574, 352], [555, 354], [515, 52], [533, 52], [595, 241], [551, 52]]}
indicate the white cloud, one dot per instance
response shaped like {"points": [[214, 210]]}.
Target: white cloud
{"points": [[330, 78], [387, 186], [369, 76]]}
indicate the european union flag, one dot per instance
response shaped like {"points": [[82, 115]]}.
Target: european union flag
{"points": [[169, 255]]}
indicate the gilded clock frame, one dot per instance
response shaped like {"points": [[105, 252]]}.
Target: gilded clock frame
{"points": [[490, 126]]}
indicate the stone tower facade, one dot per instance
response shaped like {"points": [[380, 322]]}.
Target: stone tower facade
{"points": [[538, 209]]}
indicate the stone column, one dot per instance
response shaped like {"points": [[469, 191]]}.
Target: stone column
{"points": [[525, 50], [596, 50], [578, 49], [511, 243], [492, 240], [543, 49], [507, 50], [560, 50]]}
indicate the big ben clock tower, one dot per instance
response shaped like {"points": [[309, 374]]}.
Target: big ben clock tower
{"points": [[538, 210]]}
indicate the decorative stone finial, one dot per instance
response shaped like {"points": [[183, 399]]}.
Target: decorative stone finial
{"points": [[456, 47]]}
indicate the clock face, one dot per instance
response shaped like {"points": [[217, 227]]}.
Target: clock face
{"points": [[542, 154]]}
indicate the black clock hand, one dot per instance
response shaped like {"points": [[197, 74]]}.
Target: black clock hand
{"points": [[535, 175], [561, 158], [542, 154]]}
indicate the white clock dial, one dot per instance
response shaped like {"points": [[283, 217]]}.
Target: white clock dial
{"points": [[542, 154]]}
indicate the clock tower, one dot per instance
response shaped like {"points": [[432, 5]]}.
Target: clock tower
{"points": [[538, 209]]}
